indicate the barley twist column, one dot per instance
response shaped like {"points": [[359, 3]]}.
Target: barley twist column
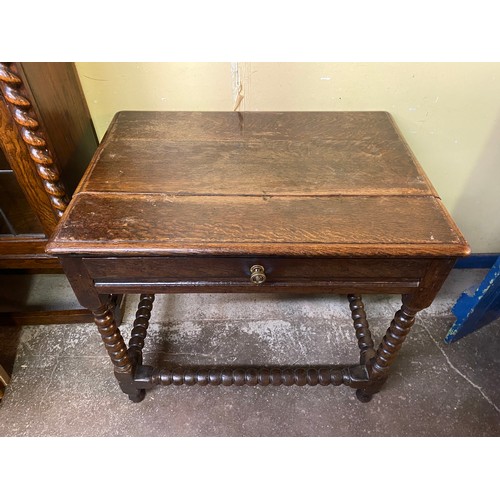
{"points": [[30, 129]]}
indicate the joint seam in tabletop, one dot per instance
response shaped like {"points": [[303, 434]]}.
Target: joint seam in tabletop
{"points": [[265, 195]]}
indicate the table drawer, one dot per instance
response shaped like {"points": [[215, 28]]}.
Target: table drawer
{"points": [[252, 273]]}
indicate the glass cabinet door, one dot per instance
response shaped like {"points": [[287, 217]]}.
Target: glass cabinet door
{"points": [[17, 218]]}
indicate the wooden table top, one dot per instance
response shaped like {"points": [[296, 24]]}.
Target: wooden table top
{"points": [[256, 183]]}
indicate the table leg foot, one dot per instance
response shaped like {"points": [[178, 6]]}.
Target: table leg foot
{"points": [[363, 396], [138, 396], [372, 387]]}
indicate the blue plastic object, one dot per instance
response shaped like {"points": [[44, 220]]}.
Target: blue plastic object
{"points": [[477, 310]]}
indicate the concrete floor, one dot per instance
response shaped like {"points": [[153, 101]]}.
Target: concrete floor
{"points": [[63, 384]]}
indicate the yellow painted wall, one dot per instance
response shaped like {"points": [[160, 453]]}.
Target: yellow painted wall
{"points": [[112, 87], [448, 112]]}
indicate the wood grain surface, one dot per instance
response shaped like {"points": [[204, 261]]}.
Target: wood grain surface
{"points": [[253, 183], [47, 141], [21, 163], [255, 154], [153, 224], [62, 109]]}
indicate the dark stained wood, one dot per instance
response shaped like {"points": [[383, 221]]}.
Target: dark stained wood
{"points": [[302, 287], [59, 317], [227, 225], [26, 253], [363, 333], [47, 317], [192, 202], [413, 302], [260, 126], [221, 274], [60, 104], [221, 168], [257, 183], [140, 328], [117, 350], [46, 140], [20, 103], [228, 153], [248, 375], [17, 154], [277, 269], [46, 136], [110, 333]]}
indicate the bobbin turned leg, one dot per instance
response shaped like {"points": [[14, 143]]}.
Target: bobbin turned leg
{"points": [[365, 344], [363, 333], [117, 351], [103, 307], [140, 328], [379, 365]]}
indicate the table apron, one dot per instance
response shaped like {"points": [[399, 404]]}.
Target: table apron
{"points": [[341, 287], [233, 274]]}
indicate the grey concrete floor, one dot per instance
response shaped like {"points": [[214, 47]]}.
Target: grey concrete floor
{"points": [[63, 384]]}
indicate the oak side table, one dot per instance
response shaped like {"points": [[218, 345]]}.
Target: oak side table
{"points": [[317, 202]]}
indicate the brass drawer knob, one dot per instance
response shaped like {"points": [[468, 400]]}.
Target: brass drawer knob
{"points": [[257, 276]]}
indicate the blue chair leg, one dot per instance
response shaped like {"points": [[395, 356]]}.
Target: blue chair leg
{"points": [[483, 307]]}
